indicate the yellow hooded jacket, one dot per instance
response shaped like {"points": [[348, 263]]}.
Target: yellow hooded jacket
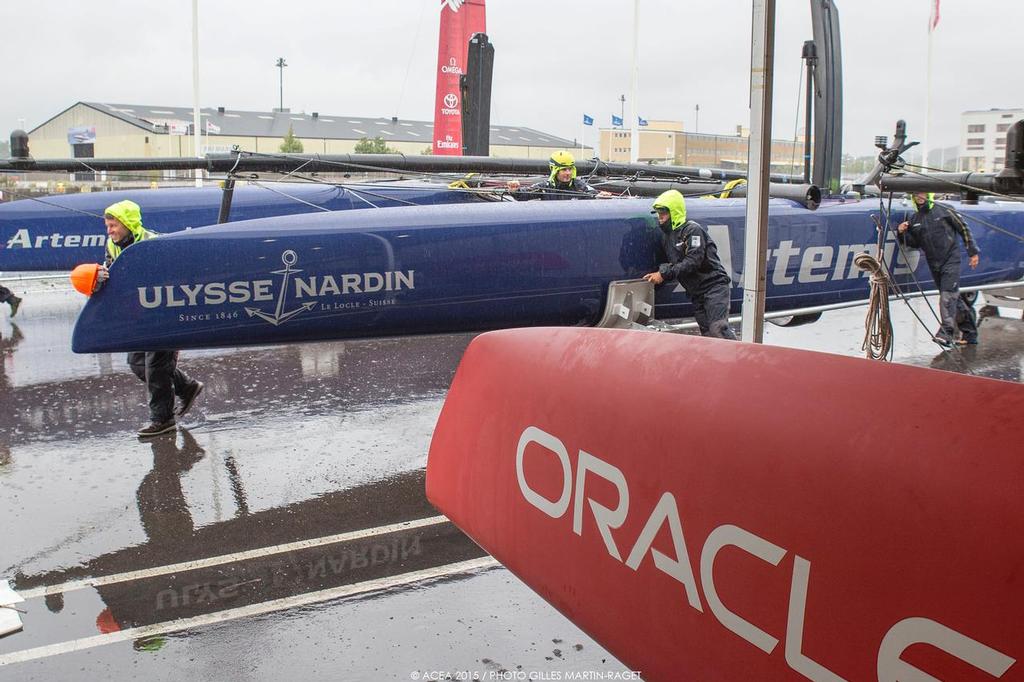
{"points": [[675, 203], [130, 215], [692, 254]]}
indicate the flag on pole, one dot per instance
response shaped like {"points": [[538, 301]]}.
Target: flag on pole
{"points": [[641, 121], [212, 127], [588, 120], [933, 20], [616, 120]]}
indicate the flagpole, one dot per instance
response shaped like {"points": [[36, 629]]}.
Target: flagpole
{"points": [[197, 136], [928, 89], [634, 146]]}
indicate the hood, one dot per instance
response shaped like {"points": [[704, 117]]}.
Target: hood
{"points": [[676, 205], [130, 215]]}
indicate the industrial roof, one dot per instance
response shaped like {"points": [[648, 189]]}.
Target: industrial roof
{"points": [[230, 122]]}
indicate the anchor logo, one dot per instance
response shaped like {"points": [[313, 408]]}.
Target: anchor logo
{"points": [[289, 258]]}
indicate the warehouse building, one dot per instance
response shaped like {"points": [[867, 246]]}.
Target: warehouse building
{"points": [[665, 141], [101, 130]]}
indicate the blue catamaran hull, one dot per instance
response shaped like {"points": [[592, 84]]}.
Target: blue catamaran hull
{"points": [[432, 269], [60, 232]]}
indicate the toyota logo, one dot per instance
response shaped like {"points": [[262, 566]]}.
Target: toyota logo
{"points": [[451, 100]]}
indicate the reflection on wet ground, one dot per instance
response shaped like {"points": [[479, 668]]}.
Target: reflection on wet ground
{"points": [[283, 529]]}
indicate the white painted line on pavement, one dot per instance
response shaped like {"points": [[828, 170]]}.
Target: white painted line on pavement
{"points": [[246, 611], [228, 558]]}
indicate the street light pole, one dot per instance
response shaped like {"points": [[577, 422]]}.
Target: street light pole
{"points": [[280, 65]]}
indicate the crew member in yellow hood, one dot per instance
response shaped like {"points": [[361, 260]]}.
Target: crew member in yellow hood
{"points": [[561, 184], [124, 228], [157, 369], [693, 262]]}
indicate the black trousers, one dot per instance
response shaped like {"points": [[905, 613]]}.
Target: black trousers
{"points": [[966, 319], [159, 370], [711, 310], [947, 279]]}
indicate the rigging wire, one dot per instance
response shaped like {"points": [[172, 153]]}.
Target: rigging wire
{"points": [[412, 55], [989, 192], [878, 332], [43, 201], [972, 189], [358, 190], [920, 288], [878, 328], [361, 166], [796, 119], [987, 224], [288, 196]]}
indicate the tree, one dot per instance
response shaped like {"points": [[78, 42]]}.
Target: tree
{"points": [[375, 146], [291, 145], [853, 167]]}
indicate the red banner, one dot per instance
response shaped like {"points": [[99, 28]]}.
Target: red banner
{"points": [[460, 19], [715, 510]]}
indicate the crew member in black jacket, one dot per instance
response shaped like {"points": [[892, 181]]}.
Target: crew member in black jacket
{"points": [[934, 229], [693, 262]]}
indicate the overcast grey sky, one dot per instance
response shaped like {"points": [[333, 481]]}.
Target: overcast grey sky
{"points": [[553, 61]]}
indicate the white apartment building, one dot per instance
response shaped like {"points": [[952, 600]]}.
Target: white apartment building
{"points": [[983, 138]]}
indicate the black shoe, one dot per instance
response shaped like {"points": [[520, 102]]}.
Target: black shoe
{"points": [[190, 398], [156, 428], [15, 303], [943, 340]]}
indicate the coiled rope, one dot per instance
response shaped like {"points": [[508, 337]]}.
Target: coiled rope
{"points": [[878, 332]]}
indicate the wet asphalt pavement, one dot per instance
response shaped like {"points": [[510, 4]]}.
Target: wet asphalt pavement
{"points": [[283, 530]]}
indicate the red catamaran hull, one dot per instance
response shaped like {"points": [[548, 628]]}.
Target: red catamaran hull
{"points": [[712, 510]]}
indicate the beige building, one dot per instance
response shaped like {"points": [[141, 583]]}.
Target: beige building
{"points": [[100, 130], [983, 138], [666, 142]]}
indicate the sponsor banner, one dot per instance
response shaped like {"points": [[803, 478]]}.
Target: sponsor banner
{"points": [[460, 19], [174, 126], [82, 135], [715, 510]]}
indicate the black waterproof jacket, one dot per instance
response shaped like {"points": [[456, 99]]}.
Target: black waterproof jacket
{"points": [[935, 230], [577, 188], [692, 258]]}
